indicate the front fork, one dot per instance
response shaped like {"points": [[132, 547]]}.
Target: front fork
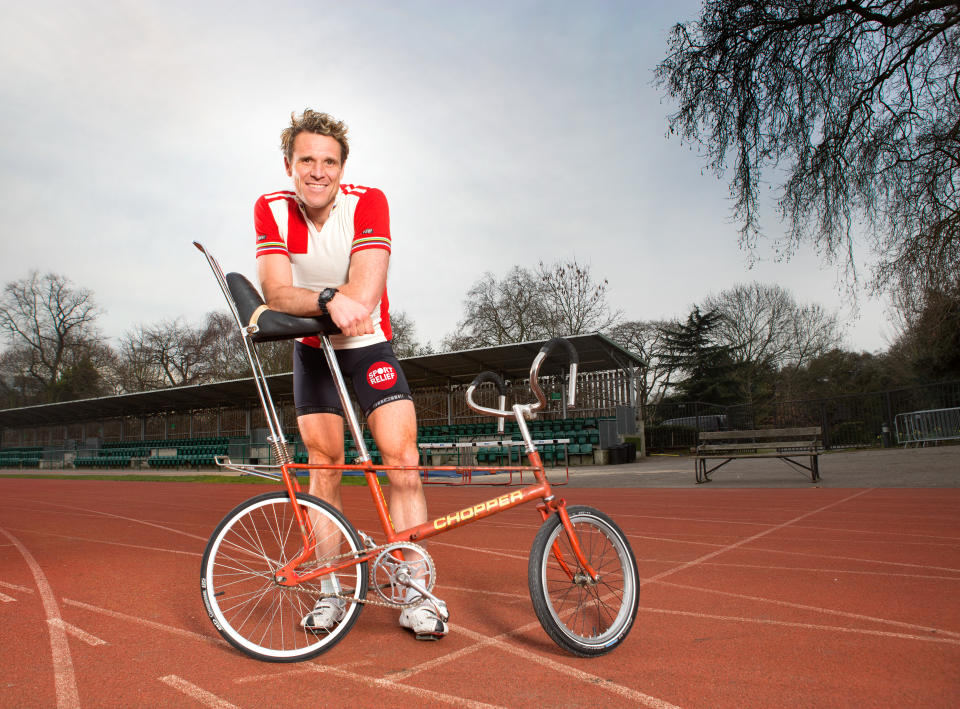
{"points": [[559, 507]]}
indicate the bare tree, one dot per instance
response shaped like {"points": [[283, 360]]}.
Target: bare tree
{"points": [[174, 353], [177, 351], [574, 302], [223, 356], [765, 330], [47, 322], [645, 338], [136, 368], [559, 299], [405, 343], [223, 353], [859, 101], [763, 324], [814, 332], [499, 312]]}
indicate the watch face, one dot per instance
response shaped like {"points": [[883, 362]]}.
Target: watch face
{"points": [[326, 295]]}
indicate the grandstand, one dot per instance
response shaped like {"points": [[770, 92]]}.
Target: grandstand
{"points": [[186, 427]]}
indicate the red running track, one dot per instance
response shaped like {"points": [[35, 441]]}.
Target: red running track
{"points": [[751, 598]]}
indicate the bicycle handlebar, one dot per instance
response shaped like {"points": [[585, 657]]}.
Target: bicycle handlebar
{"points": [[501, 388], [541, 399]]}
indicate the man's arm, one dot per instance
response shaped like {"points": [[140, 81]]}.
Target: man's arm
{"points": [[350, 308]]}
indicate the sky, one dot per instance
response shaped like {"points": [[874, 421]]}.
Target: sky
{"points": [[503, 132]]}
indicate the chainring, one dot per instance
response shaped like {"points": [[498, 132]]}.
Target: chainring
{"points": [[388, 571]]}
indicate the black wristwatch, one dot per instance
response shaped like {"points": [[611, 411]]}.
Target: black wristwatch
{"points": [[326, 295]]}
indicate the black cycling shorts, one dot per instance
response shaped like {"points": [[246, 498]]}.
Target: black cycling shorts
{"points": [[374, 370]]}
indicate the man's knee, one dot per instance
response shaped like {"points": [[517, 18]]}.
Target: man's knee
{"points": [[405, 457], [325, 484], [405, 482], [322, 457]]}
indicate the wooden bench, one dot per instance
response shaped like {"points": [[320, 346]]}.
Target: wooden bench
{"points": [[789, 444]]}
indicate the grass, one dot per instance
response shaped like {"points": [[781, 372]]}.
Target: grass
{"points": [[230, 479]]}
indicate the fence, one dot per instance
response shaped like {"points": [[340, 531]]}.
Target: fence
{"points": [[598, 396], [921, 427], [847, 421]]}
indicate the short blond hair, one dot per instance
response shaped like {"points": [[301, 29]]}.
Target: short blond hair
{"points": [[311, 121]]}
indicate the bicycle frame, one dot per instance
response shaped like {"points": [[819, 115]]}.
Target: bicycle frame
{"points": [[288, 574]]}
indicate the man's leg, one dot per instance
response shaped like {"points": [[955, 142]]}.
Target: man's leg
{"points": [[394, 427], [322, 434]]}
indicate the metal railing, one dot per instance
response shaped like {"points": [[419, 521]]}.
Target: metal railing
{"points": [[919, 427], [847, 420]]}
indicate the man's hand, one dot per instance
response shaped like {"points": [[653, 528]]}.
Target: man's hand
{"points": [[351, 317]]}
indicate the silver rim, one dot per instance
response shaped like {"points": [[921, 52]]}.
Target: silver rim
{"points": [[239, 590], [591, 615]]}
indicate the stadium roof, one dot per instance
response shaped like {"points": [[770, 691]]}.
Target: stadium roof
{"points": [[596, 352]]}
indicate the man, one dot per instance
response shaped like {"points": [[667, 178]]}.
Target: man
{"points": [[324, 248]]}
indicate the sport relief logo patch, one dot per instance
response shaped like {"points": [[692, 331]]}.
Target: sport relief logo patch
{"points": [[381, 375]]}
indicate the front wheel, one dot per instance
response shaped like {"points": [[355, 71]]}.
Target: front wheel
{"points": [[584, 616], [253, 612]]}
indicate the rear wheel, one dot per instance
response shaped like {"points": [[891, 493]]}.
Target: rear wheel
{"points": [[584, 616], [253, 612]]}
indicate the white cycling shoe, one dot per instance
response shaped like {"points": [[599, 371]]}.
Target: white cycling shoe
{"points": [[424, 619], [326, 613]]}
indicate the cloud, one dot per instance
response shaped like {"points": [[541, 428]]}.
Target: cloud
{"points": [[503, 133]]}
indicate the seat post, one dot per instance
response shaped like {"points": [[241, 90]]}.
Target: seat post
{"points": [[348, 411]]}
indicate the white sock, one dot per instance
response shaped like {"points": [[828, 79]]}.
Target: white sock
{"points": [[330, 583]]}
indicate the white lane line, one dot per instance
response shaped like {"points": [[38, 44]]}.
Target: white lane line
{"points": [[149, 524], [77, 632], [15, 587], [400, 675], [128, 519], [196, 693], [4, 598], [874, 532], [64, 678], [521, 557], [862, 560], [141, 547], [424, 694], [627, 692], [783, 552], [293, 672], [501, 594], [807, 626], [752, 538], [482, 641], [815, 609], [142, 621], [807, 569]]}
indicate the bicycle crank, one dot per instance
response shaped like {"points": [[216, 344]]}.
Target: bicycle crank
{"points": [[402, 566]]}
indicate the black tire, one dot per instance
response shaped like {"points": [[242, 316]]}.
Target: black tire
{"points": [[582, 617], [250, 610]]}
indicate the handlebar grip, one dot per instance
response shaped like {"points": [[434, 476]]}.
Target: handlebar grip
{"points": [[571, 350], [489, 376], [539, 360]]}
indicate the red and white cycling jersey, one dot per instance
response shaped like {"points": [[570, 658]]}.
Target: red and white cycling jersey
{"points": [[321, 258]]}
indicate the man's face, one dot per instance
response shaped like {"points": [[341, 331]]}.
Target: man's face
{"points": [[316, 170]]}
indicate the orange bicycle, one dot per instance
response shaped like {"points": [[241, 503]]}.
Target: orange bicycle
{"points": [[262, 568]]}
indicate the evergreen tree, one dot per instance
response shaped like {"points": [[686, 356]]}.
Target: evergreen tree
{"points": [[709, 367]]}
